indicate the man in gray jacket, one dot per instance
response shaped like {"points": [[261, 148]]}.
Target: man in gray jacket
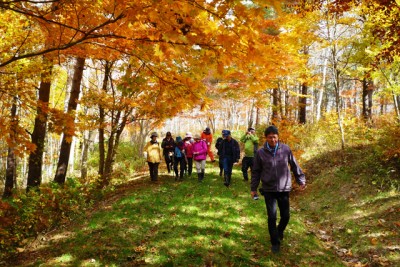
{"points": [[271, 167]]}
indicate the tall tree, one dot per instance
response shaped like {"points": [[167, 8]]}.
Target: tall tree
{"points": [[38, 136], [68, 133], [102, 119], [11, 169]]}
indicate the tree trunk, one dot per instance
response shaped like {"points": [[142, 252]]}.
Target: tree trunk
{"points": [[65, 149], [338, 107], [257, 117], [35, 161], [102, 153], [250, 120], [303, 103], [275, 104], [396, 106], [87, 139], [366, 100], [11, 169], [118, 126], [321, 92]]}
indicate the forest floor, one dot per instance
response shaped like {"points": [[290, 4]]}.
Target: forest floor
{"points": [[341, 219]]}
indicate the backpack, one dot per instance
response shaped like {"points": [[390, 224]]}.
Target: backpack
{"points": [[178, 152]]}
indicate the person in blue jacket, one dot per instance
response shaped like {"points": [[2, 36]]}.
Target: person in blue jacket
{"points": [[271, 167]]}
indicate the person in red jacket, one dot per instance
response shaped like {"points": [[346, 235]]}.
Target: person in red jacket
{"points": [[189, 153], [207, 136]]}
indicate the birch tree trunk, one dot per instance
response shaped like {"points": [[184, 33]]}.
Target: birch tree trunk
{"points": [[321, 92]]}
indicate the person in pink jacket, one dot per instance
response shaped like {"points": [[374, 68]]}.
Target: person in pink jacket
{"points": [[199, 149]]}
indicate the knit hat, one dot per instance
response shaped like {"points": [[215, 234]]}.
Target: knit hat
{"points": [[153, 134], [207, 130], [178, 139]]}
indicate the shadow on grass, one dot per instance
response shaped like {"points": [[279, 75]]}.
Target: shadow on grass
{"points": [[180, 224]]}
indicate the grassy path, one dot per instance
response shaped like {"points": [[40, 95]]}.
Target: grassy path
{"points": [[179, 224]]}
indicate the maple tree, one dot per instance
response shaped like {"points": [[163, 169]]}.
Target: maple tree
{"points": [[164, 51]]}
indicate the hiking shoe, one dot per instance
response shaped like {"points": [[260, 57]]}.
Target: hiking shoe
{"points": [[275, 249]]}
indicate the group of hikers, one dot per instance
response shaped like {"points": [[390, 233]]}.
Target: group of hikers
{"points": [[180, 153], [269, 165]]}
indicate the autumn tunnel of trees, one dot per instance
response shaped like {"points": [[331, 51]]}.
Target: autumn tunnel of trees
{"points": [[84, 76]]}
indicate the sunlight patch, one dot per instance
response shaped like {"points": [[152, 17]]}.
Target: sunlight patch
{"points": [[64, 258]]}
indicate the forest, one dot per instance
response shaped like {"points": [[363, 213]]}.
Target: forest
{"points": [[83, 84]]}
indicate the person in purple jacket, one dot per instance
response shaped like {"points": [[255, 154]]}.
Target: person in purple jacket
{"points": [[271, 167], [199, 149]]}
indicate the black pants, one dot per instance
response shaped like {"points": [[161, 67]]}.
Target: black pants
{"points": [[169, 161], [247, 163], [189, 166], [282, 198], [153, 168], [182, 164], [221, 165]]}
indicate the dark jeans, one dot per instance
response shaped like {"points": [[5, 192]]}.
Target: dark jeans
{"points": [[247, 163], [228, 165], [182, 164], [282, 198], [153, 167]]}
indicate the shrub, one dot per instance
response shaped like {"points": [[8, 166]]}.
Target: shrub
{"points": [[27, 215]]}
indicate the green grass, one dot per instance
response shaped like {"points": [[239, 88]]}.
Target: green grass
{"points": [[350, 210], [182, 224]]}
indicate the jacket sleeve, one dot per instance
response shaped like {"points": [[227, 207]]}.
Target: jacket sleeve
{"points": [[160, 151], [254, 139], [256, 172], [217, 144], [243, 138], [163, 144], [297, 172]]}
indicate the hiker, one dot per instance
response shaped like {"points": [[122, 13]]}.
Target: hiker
{"points": [[271, 168], [168, 146], [207, 136], [218, 146], [230, 153], [199, 149], [189, 152], [153, 153], [250, 141], [179, 158]]}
